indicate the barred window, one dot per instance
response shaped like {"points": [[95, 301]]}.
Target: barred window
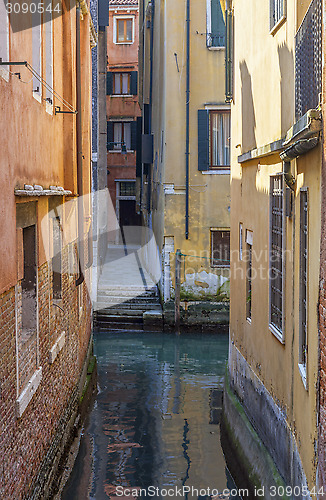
{"points": [[127, 188], [277, 238], [277, 11], [220, 247], [303, 276]]}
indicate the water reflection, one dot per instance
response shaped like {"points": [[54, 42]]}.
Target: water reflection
{"points": [[154, 428]]}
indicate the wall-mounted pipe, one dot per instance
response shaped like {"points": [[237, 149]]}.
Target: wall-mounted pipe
{"points": [[187, 118], [79, 144]]}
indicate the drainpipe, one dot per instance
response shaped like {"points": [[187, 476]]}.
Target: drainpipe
{"points": [[80, 278], [187, 118], [149, 186]]}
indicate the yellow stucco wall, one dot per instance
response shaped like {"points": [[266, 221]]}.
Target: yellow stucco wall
{"points": [[262, 111], [209, 195]]}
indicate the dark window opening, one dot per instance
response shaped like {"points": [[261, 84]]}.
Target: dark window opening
{"points": [[220, 247], [57, 260], [29, 291]]}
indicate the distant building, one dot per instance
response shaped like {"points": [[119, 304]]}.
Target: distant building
{"points": [[122, 111], [276, 159], [184, 173], [45, 308]]}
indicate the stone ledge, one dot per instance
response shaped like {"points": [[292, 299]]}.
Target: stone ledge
{"points": [[57, 346], [28, 392]]}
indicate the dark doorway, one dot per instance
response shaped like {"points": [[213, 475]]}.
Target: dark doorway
{"points": [[128, 215]]}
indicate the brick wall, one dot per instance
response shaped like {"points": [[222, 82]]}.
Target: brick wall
{"points": [[25, 441]]}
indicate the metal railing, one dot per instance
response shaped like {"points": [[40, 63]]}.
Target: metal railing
{"points": [[308, 60]]}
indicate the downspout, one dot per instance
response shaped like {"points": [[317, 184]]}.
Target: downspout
{"points": [[80, 278], [187, 117], [151, 100]]}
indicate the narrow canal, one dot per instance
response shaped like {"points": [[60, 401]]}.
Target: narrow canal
{"points": [[155, 422]]}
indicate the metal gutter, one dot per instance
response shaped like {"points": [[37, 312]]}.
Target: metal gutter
{"points": [[187, 119]]}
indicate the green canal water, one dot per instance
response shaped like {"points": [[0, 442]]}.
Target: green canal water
{"points": [[154, 430]]}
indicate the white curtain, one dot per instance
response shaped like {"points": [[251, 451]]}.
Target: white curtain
{"points": [[220, 126]]}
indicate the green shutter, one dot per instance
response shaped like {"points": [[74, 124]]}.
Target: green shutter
{"points": [[203, 139], [110, 138], [109, 83], [133, 133], [133, 82], [229, 57], [138, 146], [217, 25]]}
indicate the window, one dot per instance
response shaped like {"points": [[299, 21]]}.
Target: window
{"points": [[37, 53], [48, 54], [220, 247], [56, 260], [29, 292], [213, 139], [277, 12], [303, 293], [127, 188], [121, 134], [219, 139], [121, 83], [123, 30], [215, 24], [277, 239], [249, 241], [4, 40]]}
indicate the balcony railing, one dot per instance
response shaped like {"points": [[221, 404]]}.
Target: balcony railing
{"points": [[308, 60]]}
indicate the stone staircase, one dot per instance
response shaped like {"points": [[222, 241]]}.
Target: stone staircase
{"points": [[127, 297]]}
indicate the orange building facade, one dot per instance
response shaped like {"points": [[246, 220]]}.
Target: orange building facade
{"points": [[122, 109], [45, 309]]}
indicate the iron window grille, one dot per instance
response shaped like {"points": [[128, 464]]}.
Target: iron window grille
{"points": [[220, 247], [277, 259], [127, 188], [308, 60], [303, 294], [249, 281]]}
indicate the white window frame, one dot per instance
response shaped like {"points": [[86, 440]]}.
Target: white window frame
{"points": [[37, 57], [115, 19], [279, 334], [274, 27], [4, 38], [209, 27], [220, 171], [303, 366], [49, 59]]}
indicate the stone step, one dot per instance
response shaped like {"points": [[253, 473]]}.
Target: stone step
{"points": [[111, 299], [126, 307], [127, 291]]}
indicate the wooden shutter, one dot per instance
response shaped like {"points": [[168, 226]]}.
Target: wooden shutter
{"points": [[138, 146], [109, 83], [133, 133], [133, 82], [217, 24], [229, 57], [110, 138], [203, 139]]}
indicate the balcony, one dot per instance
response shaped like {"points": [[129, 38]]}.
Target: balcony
{"points": [[308, 60]]}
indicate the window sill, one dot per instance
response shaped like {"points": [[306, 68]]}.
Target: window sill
{"points": [[276, 26], [29, 391], [277, 333], [57, 347], [4, 74], [122, 95], [225, 171], [216, 48], [123, 43], [49, 108], [37, 97], [303, 373], [119, 151], [219, 266]]}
